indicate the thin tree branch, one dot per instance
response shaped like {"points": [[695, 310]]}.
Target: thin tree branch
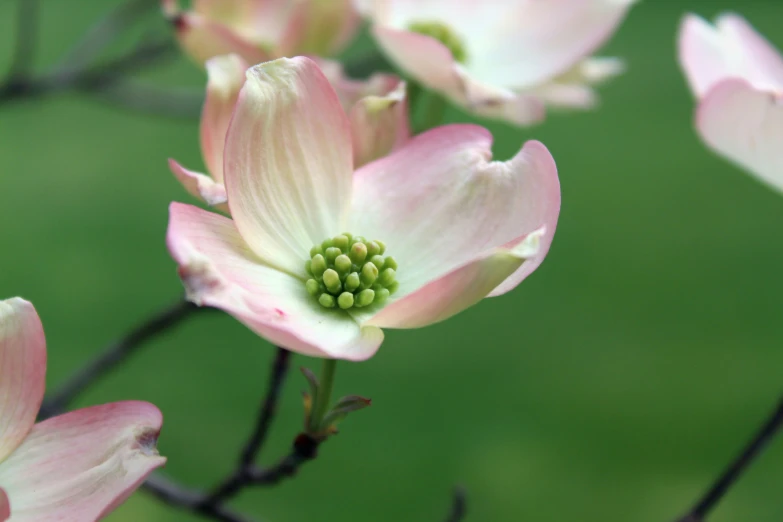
{"points": [[458, 506], [243, 475], [171, 493], [152, 99], [26, 39], [732, 474], [115, 353]]}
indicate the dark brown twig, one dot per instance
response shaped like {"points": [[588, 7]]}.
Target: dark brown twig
{"points": [[732, 474]]}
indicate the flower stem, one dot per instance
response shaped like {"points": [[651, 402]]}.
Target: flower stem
{"points": [[324, 397]]}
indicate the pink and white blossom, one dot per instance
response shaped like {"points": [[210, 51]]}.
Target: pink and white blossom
{"points": [[377, 110], [461, 226], [737, 77], [78, 466], [504, 59], [260, 30]]}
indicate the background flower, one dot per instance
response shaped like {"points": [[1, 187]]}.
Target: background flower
{"points": [[77, 466], [737, 76]]}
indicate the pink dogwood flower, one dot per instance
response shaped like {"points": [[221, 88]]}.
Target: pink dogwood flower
{"points": [[504, 59], [78, 466], [260, 30], [318, 257], [737, 77], [377, 110]]}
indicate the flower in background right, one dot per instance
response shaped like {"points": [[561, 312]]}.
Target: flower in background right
{"points": [[501, 59], [737, 77]]}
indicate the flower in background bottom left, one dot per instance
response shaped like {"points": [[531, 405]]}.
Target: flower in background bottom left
{"points": [[78, 466]]}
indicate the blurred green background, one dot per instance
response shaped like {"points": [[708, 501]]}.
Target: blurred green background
{"points": [[614, 384]]}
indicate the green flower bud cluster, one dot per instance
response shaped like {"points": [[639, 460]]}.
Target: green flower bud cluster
{"points": [[350, 272], [444, 34]]}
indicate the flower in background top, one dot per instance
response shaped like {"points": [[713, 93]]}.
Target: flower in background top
{"points": [[78, 466], [260, 30], [433, 228], [504, 59], [377, 110], [737, 77]]}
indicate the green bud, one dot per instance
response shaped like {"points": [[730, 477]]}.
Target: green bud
{"points": [[331, 254], [327, 300], [359, 239], [332, 281], [316, 250], [393, 287], [369, 274], [364, 298], [345, 300], [318, 265], [358, 253], [342, 264], [341, 242], [309, 267], [377, 260], [390, 262], [381, 295], [387, 276], [352, 282], [312, 287], [382, 245], [373, 249], [349, 236], [326, 243]]}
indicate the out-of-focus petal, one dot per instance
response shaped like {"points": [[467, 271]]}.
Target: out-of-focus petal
{"points": [[436, 216], [574, 89], [288, 162], [319, 27], [82, 465], [203, 38], [22, 371], [220, 270], [702, 54], [744, 125], [761, 63], [520, 108], [226, 76], [379, 125], [5, 506], [460, 288], [200, 185]]}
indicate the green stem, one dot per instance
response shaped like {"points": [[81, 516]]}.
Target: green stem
{"points": [[430, 111], [324, 398]]}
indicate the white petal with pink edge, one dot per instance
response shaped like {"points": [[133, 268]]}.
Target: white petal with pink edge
{"points": [[226, 76], [744, 125], [200, 185], [288, 162], [220, 270], [436, 216], [83, 464], [22, 371]]}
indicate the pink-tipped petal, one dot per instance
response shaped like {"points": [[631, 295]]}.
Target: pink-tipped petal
{"points": [[226, 76], [22, 371], [319, 28], [288, 162], [379, 125], [220, 270], [536, 41], [201, 186], [702, 54], [203, 38], [436, 216], [460, 288], [744, 125], [762, 63], [423, 58], [82, 465], [5, 506]]}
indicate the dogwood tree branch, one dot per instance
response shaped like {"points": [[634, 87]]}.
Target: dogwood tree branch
{"points": [[736, 468]]}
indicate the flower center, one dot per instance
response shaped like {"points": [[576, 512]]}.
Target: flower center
{"points": [[445, 35], [350, 272]]}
